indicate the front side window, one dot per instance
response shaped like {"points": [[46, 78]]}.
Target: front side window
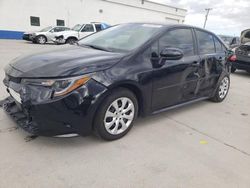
{"points": [[88, 28], [34, 21], [206, 42], [125, 37], [59, 29], [56, 29], [178, 38]]}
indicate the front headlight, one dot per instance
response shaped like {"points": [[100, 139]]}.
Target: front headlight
{"points": [[61, 86]]}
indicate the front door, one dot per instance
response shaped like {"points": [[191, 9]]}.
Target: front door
{"points": [[177, 80]]}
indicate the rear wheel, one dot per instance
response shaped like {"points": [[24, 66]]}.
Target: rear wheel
{"points": [[116, 115], [222, 90]]}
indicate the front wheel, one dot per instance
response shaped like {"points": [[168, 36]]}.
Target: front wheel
{"points": [[222, 90], [41, 39], [116, 115]]}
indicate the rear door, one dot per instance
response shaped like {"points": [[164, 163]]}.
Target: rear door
{"points": [[176, 81], [213, 59]]}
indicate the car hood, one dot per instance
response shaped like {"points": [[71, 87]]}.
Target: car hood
{"points": [[68, 61], [40, 33]]}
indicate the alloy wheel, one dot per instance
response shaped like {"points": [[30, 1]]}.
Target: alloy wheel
{"points": [[224, 86], [119, 115], [41, 40]]}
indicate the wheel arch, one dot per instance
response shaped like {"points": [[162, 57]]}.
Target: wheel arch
{"points": [[71, 37], [135, 89], [43, 36]]}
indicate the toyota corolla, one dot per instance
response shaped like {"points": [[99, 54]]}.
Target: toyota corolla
{"points": [[106, 80]]}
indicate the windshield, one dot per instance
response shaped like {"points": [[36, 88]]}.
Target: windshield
{"points": [[46, 29], [77, 27], [124, 37]]}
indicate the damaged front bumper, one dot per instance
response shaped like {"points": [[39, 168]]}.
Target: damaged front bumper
{"points": [[19, 115], [73, 113], [59, 40]]}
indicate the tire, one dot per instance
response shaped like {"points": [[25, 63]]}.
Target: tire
{"points": [[71, 41], [113, 123], [222, 90], [233, 70], [41, 39], [248, 71]]}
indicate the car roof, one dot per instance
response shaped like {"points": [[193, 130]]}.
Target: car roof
{"points": [[172, 25]]}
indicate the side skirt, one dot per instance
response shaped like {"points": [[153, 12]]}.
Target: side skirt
{"points": [[180, 105]]}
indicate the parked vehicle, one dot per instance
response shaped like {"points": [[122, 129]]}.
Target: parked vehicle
{"points": [[45, 35], [78, 31], [231, 41], [245, 36], [109, 78], [241, 59]]}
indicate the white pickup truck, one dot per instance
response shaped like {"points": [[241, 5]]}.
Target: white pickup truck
{"points": [[77, 32]]}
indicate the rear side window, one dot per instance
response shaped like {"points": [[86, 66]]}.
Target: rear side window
{"points": [[218, 45], [206, 42], [88, 28], [178, 38]]}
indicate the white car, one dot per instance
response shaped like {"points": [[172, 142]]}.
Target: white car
{"points": [[77, 32], [45, 35]]}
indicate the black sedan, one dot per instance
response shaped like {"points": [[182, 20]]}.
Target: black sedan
{"points": [[105, 81]]}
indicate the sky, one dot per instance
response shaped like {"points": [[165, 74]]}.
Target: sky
{"points": [[228, 17]]}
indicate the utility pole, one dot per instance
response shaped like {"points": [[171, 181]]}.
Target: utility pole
{"points": [[207, 10]]}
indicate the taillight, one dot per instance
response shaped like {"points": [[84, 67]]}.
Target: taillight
{"points": [[232, 58]]}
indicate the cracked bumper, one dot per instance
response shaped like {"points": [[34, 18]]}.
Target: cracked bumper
{"points": [[69, 115]]}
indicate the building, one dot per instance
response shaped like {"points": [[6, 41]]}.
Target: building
{"points": [[17, 16]]}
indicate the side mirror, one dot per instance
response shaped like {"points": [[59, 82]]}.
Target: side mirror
{"points": [[52, 31], [171, 54]]}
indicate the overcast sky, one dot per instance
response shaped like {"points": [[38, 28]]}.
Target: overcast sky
{"points": [[227, 17]]}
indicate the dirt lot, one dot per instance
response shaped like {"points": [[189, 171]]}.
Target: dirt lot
{"points": [[202, 145]]}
